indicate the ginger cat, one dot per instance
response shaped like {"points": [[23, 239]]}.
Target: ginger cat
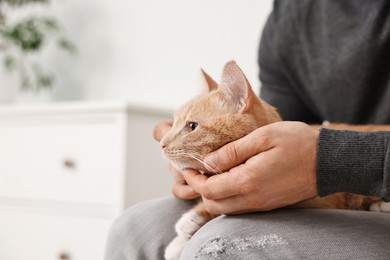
{"points": [[224, 113]]}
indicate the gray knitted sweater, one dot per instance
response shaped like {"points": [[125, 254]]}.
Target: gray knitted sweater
{"points": [[330, 60]]}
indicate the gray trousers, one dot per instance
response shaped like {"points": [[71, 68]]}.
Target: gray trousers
{"points": [[144, 231]]}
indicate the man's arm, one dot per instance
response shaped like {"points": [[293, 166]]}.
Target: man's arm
{"points": [[347, 161], [356, 162], [275, 166]]}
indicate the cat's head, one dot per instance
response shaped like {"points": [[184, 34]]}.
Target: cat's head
{"points": [[222, 114]]}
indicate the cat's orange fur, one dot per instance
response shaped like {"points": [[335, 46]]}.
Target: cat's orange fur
{"points": [[228, 112], [221, 117]]}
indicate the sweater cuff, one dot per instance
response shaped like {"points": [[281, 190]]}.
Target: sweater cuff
{"points": [[356, 162]]}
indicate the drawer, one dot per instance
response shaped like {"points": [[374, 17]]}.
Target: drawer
{"points": [[63, 158], [29, 236]]}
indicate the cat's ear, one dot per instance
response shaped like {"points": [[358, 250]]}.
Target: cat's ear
{"points": [[208, 81], [236, 87]]}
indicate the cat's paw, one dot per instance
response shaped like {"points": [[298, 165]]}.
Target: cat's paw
{"points": [[380, 206], [188, 224], [185, 228], [173, 251]]}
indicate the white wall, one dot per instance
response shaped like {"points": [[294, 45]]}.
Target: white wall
{"points": [[150, 51]]}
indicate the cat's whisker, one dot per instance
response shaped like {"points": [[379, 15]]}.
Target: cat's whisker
{"points": [[212, 166], [196, 156], [200, 159], [193, 156]]}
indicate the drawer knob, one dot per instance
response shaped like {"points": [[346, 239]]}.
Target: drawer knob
{"points": [[69, 163], [64, 256]]}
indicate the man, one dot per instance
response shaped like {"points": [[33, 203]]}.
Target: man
{"points": [[319, 60]]}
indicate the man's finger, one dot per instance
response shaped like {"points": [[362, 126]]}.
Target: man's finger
{"points": [[184, 191], [161, 129], [237, 152], [217, 186], [195, 179], [229, 206], [237, 204]]}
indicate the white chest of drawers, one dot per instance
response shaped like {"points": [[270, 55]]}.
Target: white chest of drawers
{"points": [[67, 170]]}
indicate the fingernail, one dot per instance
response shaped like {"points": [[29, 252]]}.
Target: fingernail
{"points": [[211, 162]]}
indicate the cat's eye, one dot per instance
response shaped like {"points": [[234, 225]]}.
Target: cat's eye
{"points": [[192, 125]]}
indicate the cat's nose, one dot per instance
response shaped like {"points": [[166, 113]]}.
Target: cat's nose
{"points": [[163, 145]]}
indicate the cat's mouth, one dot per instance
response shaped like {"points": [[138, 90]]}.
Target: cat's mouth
{"points": [[190, 162], [185, 159], [195, 165]]}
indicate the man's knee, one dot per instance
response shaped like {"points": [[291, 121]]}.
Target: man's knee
{"points": [[144, 230], [293, 234], [123, 232]]}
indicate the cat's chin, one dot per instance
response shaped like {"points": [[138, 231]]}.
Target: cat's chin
{"points": [[202, 171], [189, 165]]}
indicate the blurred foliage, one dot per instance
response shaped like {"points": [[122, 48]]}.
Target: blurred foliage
{"points": [[29, 35]]}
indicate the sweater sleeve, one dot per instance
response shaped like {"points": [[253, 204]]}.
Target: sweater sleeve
{"points": [[356, 162]]}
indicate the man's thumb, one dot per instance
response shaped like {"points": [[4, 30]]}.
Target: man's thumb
{"points": [[224, 158], [235, 153]]}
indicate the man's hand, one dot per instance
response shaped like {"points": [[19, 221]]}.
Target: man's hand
{"points": [[180, 188], [272, 167], [161, 129]]}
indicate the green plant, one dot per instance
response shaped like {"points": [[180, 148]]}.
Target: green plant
{"points": [[26, 37]]}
